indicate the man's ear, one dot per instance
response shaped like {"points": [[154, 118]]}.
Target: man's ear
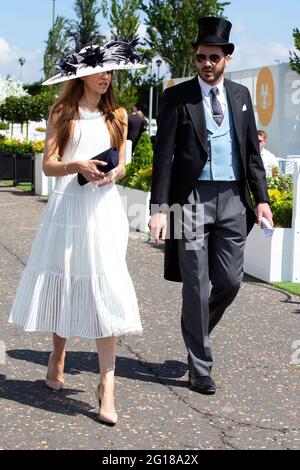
{"points": [[228, 59]]}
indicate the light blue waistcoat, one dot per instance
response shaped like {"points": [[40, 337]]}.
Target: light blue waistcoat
{"points": [[223, 155]]}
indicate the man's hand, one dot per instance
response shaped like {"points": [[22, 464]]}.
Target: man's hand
{"points": [[158, 225], [263, 210]]}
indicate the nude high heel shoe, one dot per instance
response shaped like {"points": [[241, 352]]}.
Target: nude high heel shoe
{"points": [[53, 384], [104, 418]]}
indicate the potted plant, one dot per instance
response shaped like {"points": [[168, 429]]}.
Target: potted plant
{"points": [[43, 185], [24, 163], [7, 151]]}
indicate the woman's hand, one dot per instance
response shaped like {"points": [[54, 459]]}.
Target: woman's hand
{"points": [[115, 174], [89, 169]]}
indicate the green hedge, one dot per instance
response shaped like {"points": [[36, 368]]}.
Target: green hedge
{"points": [[4, 126], [281, 193], [139, 171], [23, 147], [26, 108]]}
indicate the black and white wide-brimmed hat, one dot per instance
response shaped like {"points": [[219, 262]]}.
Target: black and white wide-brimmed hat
{"points": [[114, 55]]}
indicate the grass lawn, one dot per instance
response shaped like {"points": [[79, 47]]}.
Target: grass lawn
{"points": [[22, 186], [292, 287]]}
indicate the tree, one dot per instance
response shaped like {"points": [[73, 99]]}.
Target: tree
{"points": [[294, 57], [10, 87], [58, 44], [85, 29], [143, 85], [123, 21], [122, 17], [15, 110], [40, 106], [34, 88], [172, 26], [19, 107], [23, 109]]}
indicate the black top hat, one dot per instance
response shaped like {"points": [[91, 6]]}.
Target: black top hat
{"points": [[214, 32]]}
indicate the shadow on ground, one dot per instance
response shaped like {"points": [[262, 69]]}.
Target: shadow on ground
{"points": [[77, 362], [35, 394]]}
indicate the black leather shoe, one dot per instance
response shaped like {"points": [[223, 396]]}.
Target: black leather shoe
{"points": [[203, 384]]}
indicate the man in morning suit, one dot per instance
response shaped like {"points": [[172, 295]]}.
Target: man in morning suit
{"points": [[206, 161]]}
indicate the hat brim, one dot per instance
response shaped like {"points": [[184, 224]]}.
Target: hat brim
{"points": [[228, 45], [84, 71]]}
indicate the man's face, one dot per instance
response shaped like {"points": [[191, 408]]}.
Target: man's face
{"points": [[211, 62], [261, 142]]}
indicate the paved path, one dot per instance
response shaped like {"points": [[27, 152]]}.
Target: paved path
{"points": [[257, 403]]}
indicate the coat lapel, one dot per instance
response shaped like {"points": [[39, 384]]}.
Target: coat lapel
{"points": [[194, 105], [235, 101], [195, 108]]}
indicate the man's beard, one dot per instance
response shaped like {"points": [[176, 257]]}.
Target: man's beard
{"points": [[215, 75]]}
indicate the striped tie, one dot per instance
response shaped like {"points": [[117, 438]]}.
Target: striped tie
{"points": [[216, 107]]}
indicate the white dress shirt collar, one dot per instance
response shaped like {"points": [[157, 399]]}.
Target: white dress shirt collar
{"points": [[205, 87], [205, 90]]}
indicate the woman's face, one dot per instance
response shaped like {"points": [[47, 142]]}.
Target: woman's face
{"points": [[98, 82]]}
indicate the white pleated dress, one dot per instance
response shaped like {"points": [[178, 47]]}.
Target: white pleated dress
{"points": [[76, 281]]}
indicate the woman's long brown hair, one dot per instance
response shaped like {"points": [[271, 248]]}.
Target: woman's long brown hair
{"points": [[65, 111]]}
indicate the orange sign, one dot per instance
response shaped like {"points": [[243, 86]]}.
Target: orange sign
{"points": [[265, 96], [170, 83]]}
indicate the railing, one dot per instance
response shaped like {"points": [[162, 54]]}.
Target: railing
{"points": [[291, 166], [295, 249], [287, 165]]}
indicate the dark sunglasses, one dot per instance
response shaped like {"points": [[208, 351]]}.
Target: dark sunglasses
{"points": [[213, 58]]}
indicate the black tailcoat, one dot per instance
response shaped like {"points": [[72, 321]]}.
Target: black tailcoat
{"points": [[181, 152]]}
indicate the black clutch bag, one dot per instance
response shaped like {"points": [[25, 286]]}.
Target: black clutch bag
{"points": [[110, 156]]}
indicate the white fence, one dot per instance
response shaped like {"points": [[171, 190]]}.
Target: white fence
{"points": [[295, 254], [287, 165], [43, 184], [277, 259]]}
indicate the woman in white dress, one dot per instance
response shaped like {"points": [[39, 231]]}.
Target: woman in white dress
{"points": [[76, 281]]}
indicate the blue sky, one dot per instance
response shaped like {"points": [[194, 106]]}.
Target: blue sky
{"points": [[262, 32]]}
